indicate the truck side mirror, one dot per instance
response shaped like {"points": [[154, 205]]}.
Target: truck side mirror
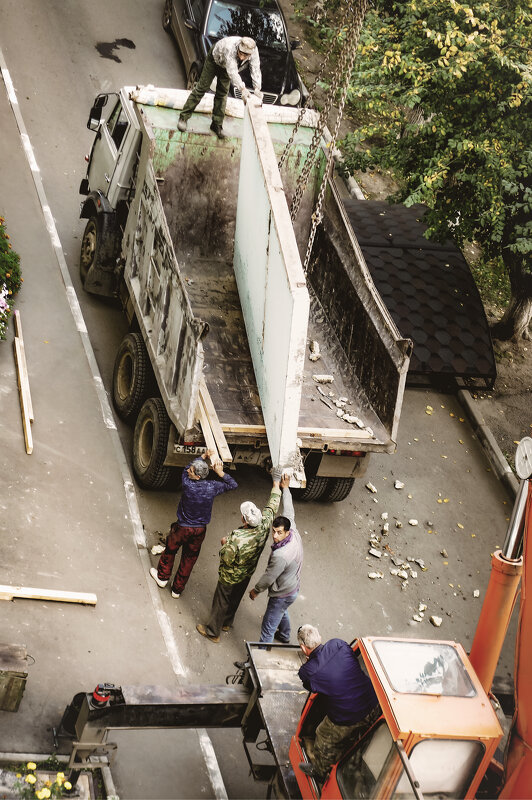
{"points": [[95, 116]]}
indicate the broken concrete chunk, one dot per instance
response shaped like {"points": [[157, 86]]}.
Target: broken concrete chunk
{"points": [[323, 378], [402, 574], [422, 607], [385, 528], [314, 351], [157, 549], [384, 515], [375, 575], [339, 403], [417, 618], [476, 593], [412, 522], [394, 571], [436, 621], [340, 413], [404, 585], [373, 552], [413, 573], [371, 488], [399, 485], [444, 553], [420, 563], [398, 524]]}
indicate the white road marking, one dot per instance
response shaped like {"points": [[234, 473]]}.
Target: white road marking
{"points": [[138, 531]]}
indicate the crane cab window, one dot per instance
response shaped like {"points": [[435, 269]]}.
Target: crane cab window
{"points": [[424, 668], [117, 125], [359, 771], [443, 767]]}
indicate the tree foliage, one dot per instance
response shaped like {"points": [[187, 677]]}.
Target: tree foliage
{"points": [[444, 87]]}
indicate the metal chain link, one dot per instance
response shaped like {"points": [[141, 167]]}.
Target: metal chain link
{"points": [[347, 59], [312, 89], [345, 62]]}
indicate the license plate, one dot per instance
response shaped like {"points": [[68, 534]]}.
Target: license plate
{"points": [[190, 449]]}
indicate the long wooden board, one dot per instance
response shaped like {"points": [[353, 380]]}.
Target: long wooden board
{"points": [[217, 431], [27, 593], [24, 392]]}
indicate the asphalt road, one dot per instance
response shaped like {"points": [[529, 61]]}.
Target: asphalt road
{"points": [[67, 519]]}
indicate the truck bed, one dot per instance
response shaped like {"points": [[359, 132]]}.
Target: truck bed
{"points": [[228, 368]]}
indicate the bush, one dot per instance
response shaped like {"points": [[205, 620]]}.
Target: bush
{"points": [[10, 278]]}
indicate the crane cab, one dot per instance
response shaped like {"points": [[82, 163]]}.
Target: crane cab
{"points": [[436, 735]]}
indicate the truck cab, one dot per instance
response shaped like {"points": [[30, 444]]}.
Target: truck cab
{"points": [[435, 738]]}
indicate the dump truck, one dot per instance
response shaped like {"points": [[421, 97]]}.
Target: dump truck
{"points": [[231, 345]]}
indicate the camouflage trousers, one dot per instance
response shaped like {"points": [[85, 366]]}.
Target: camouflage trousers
{"points": [[332, 740]]}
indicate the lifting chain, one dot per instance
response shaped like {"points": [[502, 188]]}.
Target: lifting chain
{"points": [[351, 24]]}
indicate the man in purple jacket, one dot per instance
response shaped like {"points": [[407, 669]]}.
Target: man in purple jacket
{"points": [[333, 670], [193, 515]]}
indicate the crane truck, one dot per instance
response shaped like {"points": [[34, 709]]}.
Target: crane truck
{"points": [[439, 731]]}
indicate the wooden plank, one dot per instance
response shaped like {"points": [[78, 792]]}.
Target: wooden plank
{"points": [[255, 430], [331, 434], [18, 333], [23, 390], [208, 407], [208, 435], [28, 593]]}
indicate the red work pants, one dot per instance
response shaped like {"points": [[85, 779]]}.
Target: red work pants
{"points": [[190, 539]]}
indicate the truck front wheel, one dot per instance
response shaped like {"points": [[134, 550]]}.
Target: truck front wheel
{"points": [[133, 380], [96, 240], [150, 442]]}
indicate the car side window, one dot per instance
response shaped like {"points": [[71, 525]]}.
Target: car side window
{"points": [[117, 125]]}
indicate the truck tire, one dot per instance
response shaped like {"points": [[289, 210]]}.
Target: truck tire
{"points": [[316, 486], [97, 231], [150, 442], [133, 380], [337, 489], [167, 15]]}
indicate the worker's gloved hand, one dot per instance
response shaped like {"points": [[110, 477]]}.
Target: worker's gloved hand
{"points": [[259, 94], [277, 474], [246, 94]]}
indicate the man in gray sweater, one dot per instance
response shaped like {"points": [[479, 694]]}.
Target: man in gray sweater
{"points": [[282, 576]]}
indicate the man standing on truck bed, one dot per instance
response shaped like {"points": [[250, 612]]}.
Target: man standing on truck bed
{"points": [[193, 516], [283, 574], [239, 557], [224, 61]]}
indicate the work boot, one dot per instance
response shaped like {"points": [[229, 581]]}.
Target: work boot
{"points": [[181, 124], [175, 595], [280, 638], [158, 581], [204, 632], [217, 130], [309, 770]]}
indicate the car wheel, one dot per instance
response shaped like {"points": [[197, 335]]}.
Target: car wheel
{"points": [[133, 379], [193, 77], [337, 490], [150, 442], [167, 15]]}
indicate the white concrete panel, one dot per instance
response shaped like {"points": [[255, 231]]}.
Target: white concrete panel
{"points": [[272, 287]]}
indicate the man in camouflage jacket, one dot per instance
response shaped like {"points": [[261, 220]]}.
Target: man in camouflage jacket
{"points": [[239, 556]]}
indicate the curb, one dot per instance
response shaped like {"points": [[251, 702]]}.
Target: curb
{"points": [[487, 440]]}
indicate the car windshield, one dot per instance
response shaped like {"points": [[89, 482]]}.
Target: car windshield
{"points": [[262, 24]]}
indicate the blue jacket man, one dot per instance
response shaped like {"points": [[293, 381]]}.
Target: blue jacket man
{"points": [[332, 669], [193, 515]]}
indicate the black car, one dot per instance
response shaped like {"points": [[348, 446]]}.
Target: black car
{"points": [[198, 24]]}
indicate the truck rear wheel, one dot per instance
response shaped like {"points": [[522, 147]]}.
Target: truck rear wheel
{"points": [[337, 489], [150, 442], [133, 380], [316, 486]]}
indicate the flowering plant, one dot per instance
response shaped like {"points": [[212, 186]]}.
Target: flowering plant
{"points": [[10, 279], [30, 786]]}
